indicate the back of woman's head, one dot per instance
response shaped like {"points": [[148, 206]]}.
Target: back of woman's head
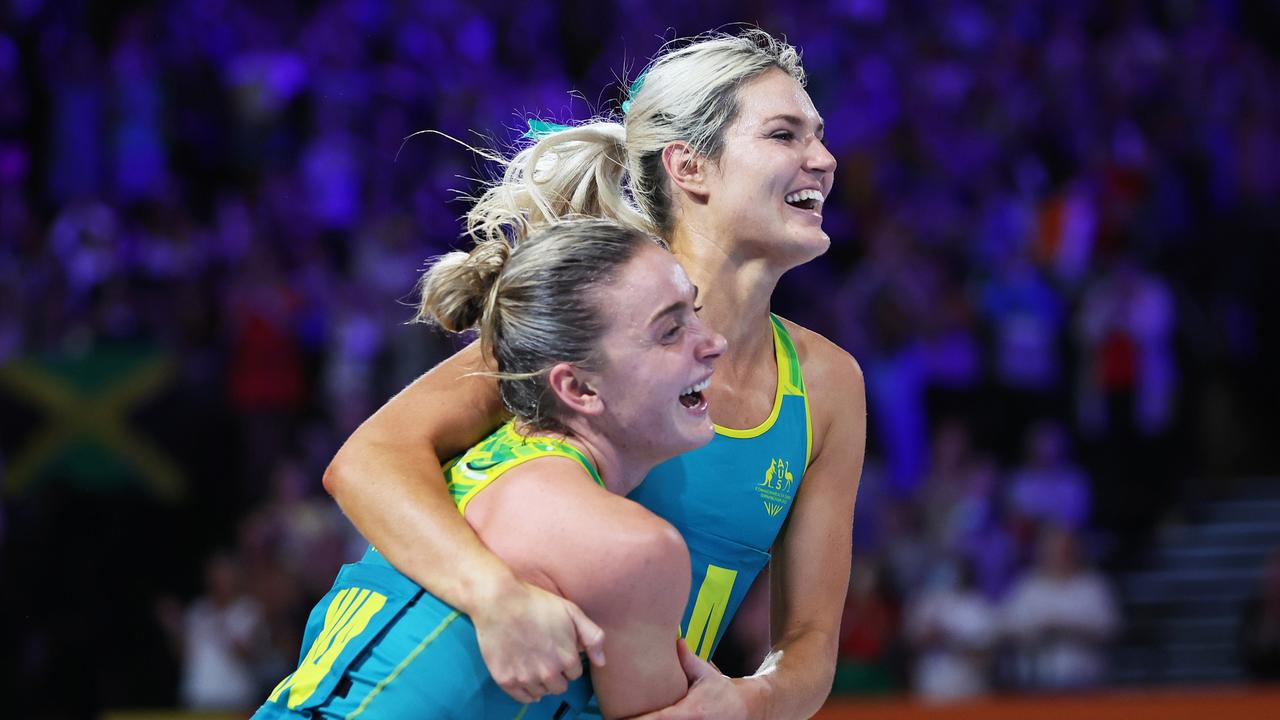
{"points": [[535, 304], [688, 93]]}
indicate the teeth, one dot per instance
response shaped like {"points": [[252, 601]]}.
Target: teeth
{"points": [[697, 387], [802, 195]]}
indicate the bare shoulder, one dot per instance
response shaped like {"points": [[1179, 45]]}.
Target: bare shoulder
{"points": [[833, 376], [822, 360], [549, 518], [628, 553]]}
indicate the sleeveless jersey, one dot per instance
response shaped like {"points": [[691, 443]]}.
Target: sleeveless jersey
{"points": [[730, 497], [379, 646]]}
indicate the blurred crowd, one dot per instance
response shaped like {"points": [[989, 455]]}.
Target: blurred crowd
{"points": [[1053, 244]]}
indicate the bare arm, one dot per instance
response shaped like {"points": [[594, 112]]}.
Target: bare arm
{"points": [[626, 567], [810, 569], [387, 479], [810, 566], [640, 609]]}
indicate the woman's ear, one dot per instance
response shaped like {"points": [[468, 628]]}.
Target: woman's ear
{"points": [[573, 388], [686, 168]]}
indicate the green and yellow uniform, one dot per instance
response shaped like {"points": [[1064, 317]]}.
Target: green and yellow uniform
{"points": [[379, 646]]}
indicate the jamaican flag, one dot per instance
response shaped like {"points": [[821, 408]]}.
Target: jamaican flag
{"points": [[72, 418]]}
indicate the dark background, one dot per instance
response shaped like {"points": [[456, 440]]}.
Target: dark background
{"points": [[1046, 215]]}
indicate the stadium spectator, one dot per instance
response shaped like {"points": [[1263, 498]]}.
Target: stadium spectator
{"points": [[1058, 618], [952, 629], [220, 638]]}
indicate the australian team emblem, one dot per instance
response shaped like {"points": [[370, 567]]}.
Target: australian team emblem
{"points": [[776, 488]]}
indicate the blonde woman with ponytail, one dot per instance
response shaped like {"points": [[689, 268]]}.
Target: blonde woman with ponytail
{"points": [[718, 151], [598, 354]]}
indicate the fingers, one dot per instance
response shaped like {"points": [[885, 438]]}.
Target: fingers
{"points": [[531, 684], [590, 636], [687, 659], [572, 665], [523, 691], [531, 643], [555, 685], [694, 667], [518, 694]]}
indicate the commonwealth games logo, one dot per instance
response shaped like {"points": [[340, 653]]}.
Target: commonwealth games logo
{"points": [[776, 488]]}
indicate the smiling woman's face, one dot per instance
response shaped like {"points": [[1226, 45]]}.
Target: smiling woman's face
{"points": [[655, 349], [770, 182]]}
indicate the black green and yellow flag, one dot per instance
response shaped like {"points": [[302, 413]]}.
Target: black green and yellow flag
{"points": [[70, 418]]}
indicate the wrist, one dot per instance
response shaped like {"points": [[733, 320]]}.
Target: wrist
{"points": [[756, 693], [483, 588]]}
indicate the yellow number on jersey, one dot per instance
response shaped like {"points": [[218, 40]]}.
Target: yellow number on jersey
{"points": [[348, 615], [708, 610]]}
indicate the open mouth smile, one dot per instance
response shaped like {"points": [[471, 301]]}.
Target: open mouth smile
{"points": [[692, 397], [810, 200]]}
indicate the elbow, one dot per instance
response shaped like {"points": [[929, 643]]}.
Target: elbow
{"points": [[338, 475]]}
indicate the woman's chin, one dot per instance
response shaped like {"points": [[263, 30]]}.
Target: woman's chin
{"points": [[815, 243], [802, 249], [704, 435]]}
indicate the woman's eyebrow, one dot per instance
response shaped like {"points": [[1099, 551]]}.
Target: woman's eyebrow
{"points": [[674, 307], [798, 121]]}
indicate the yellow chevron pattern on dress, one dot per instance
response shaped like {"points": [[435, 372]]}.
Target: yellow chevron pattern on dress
{"points": [[506, 448], [790, 379]]}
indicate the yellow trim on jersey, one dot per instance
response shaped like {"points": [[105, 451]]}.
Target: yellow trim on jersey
{"points": [[787, 368], [550, 447], [347, 616], [403, 664], [708, 609]]}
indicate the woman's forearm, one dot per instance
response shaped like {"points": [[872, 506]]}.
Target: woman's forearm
{"points": [[396, 496], [387, 478], [794, 679]]}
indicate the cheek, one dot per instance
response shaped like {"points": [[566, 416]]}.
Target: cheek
{"points": [[631, 382]]}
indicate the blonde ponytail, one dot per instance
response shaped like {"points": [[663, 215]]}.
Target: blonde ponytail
{"points": [[572, 172]]}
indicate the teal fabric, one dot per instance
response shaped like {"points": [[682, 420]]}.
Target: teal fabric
{"points": [[730, 497], [421, 661], [541, 128], [729, 500]]}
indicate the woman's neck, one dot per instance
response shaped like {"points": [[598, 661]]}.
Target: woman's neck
{"points": [[620, 470], [734, 293]]}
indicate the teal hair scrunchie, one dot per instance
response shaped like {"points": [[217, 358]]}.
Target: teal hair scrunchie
{"points": [[539, 129], [631, 91]]}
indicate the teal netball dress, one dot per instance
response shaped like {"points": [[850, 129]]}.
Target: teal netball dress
{"points": [[379, 646], [730, 497]]}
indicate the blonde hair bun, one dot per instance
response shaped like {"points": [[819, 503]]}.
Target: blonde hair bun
{"points": [[459, 287]]}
